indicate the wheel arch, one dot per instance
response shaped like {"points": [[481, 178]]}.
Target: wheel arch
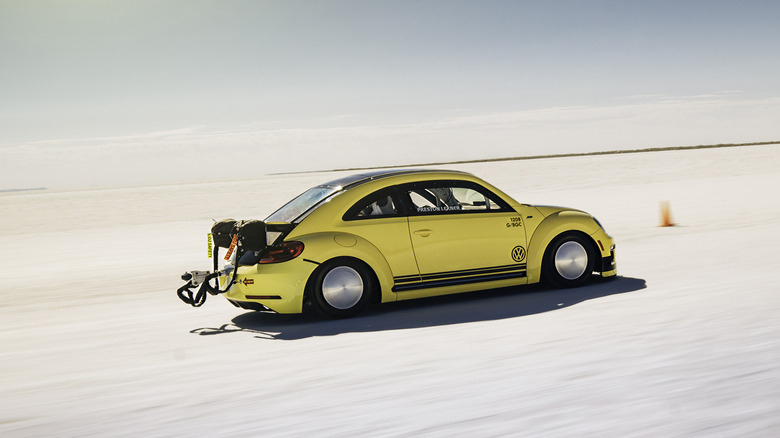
{"points": [[551, 228], [310, 281], [323, 247]]}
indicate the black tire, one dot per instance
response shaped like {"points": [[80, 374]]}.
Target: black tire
{"points": [[341, 288], [568, 260]]}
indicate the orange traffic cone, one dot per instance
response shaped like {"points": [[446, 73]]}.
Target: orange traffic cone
{"points": [[666, 215]]}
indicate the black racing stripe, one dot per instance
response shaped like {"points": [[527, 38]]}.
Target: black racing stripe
{"points": [[471, 272], [406, 278], [514, 265], [456, 281], [410, 282]]}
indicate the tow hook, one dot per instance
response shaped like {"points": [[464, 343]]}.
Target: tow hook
{"points": [[195, 278]]}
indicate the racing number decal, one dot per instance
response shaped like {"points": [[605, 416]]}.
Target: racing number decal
{"points": [[518, 253]]}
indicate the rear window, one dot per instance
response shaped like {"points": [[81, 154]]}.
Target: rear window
{"points": [[301, 204]]}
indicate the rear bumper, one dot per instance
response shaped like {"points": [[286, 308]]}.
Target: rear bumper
{"points": [[279, 287]]}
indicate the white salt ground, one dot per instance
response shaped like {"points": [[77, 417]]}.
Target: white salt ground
{"points": [[685, 343]]}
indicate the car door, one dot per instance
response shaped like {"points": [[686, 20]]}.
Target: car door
{"points": [[380, 219], [462, 233]]}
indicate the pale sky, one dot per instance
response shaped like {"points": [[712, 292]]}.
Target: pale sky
{"points": [[102, 93]]}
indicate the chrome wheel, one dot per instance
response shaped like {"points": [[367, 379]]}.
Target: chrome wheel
{"points": [[342, 287], [571, 260]]}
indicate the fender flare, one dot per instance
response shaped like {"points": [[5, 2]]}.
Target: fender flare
{"points": [[550, 228], [331, 245]]}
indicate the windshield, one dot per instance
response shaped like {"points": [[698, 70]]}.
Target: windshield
{"points": [[301, 204]]}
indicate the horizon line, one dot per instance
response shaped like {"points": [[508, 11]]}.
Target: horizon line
{"points": [[538, 157]]}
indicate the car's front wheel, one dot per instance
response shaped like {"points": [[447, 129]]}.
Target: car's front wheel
{"points": [[341, 288], [569, 260]]}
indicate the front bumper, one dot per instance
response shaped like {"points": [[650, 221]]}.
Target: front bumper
{"points": [[606, 245], [279, 287], [608, 264]]}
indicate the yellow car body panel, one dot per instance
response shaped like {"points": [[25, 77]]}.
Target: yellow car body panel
{"points": [[420, 255], [331, 245], [450, 243], [286, 281]]}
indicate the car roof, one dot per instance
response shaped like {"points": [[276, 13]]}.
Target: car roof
{"points": [[360, 178]]}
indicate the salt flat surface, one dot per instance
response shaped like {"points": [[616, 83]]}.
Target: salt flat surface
{"points": [[685, 343]]}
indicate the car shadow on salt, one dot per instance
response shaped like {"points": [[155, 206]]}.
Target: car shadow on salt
{"points": [[428, 312]]}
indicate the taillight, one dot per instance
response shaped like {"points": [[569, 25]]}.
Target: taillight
{"points": [[281, 253]]}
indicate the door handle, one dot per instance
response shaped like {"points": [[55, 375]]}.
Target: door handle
{"points": [[423, 233]]}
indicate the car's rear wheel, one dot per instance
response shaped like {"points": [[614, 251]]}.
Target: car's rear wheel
{"points": [[341, 288], [569, 260]]}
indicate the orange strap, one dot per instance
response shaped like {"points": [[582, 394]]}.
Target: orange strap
{"points": [[232, 247]]}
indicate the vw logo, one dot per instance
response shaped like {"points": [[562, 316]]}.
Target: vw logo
{"points": [[518, 253]]}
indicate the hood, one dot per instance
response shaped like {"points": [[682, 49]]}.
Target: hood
{"points": [[547, 210]]}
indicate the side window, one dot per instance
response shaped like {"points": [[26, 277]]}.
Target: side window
{"points": [[434, 199], [379, 204], [451, 197]]}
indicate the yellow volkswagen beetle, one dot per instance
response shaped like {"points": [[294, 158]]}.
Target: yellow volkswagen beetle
{"points": [[398, 235]]}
